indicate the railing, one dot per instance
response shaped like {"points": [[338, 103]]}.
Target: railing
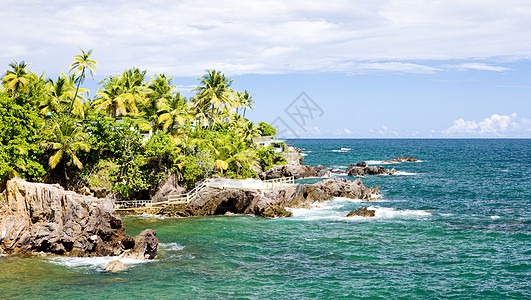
{"points": [[132, 203], [149, 203], [271, 183]]}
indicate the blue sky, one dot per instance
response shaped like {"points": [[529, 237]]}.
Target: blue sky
{"points": [[383, 68]]}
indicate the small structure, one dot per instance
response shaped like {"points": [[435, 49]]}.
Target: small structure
{"points": [[266, 141]]}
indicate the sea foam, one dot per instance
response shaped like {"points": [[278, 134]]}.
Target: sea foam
{"points": [[92, 263], [340, 206], [402, 173], [170, 247]]}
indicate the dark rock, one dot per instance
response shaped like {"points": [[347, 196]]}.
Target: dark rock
{"points": [[268, 203], [400, 159], [362, 212], [146, 245], [360, 170], [297, 171]]}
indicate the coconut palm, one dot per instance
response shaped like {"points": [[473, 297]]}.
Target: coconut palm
{"points": [[17, 79], [59, 93], [246, 101], [248, 131], [174, 114], [214, 93], [108, 98], [159, 90], [66, 138], [82, 63], [132, 89]]}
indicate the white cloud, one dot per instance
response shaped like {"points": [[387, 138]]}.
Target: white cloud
{"points": [[495, 125], [477, 66], [186, 37]]}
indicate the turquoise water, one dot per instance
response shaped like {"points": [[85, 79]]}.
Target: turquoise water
{"points": [[455, 225]]}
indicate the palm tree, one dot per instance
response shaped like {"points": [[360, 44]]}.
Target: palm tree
{"points": [[59, 94], [132, 89], [214, 92], [17, 79], [248, 131], [81, 64], [174, 114], [246, 101], [107, 98], [159, 90], [66, 138], [120, 94]]}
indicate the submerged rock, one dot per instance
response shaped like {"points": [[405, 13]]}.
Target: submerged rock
{"points": [[37, 217], [115, 266], [362, 212]]}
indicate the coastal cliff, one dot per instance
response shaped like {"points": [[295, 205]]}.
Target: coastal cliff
{"points": [[37, 217]]}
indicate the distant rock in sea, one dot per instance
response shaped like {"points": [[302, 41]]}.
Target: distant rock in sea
{"points": [[37, 217], [361, 169], [297, 171], [400, 159]]}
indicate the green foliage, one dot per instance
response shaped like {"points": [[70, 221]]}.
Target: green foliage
{"points": [[127, 148], [20, 128], [266, 129], [269, 158], [190, 171], [193, 138]]}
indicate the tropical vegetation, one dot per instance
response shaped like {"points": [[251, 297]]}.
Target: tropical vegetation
{"points": [[133, 133]]}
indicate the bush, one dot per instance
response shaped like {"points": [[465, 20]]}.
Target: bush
{"points": [[266, 129]]}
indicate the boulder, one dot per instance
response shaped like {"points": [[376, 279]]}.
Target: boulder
{"points": [[166, 187], [37, 217], [362, 212], [145, 246], [115, 266]]}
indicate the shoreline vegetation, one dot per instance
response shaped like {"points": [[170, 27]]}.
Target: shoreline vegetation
{"points": [[135, 137]]}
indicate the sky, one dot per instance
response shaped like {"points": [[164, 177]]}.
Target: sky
{"points": [[346, 69]]}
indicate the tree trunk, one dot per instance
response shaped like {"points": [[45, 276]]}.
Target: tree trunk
{"points": [[77, 89]]}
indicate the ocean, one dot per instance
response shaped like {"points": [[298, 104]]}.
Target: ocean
{"points": [[456, 224]]}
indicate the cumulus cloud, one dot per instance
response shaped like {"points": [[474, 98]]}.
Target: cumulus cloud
{"points": [[186, 37], [495, 125]]}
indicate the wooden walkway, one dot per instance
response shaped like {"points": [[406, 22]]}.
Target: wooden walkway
{"points": [[214, 183], [182, 198]]}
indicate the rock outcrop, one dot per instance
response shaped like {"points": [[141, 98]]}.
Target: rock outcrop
{"points": [[361, 169], [166, 188], [37, 217], [268, 203], [297, 171], [400, 159], [362, 212]]}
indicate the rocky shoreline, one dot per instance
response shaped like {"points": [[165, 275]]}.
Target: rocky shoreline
{"points": [[44, 218], [270, 203]]}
